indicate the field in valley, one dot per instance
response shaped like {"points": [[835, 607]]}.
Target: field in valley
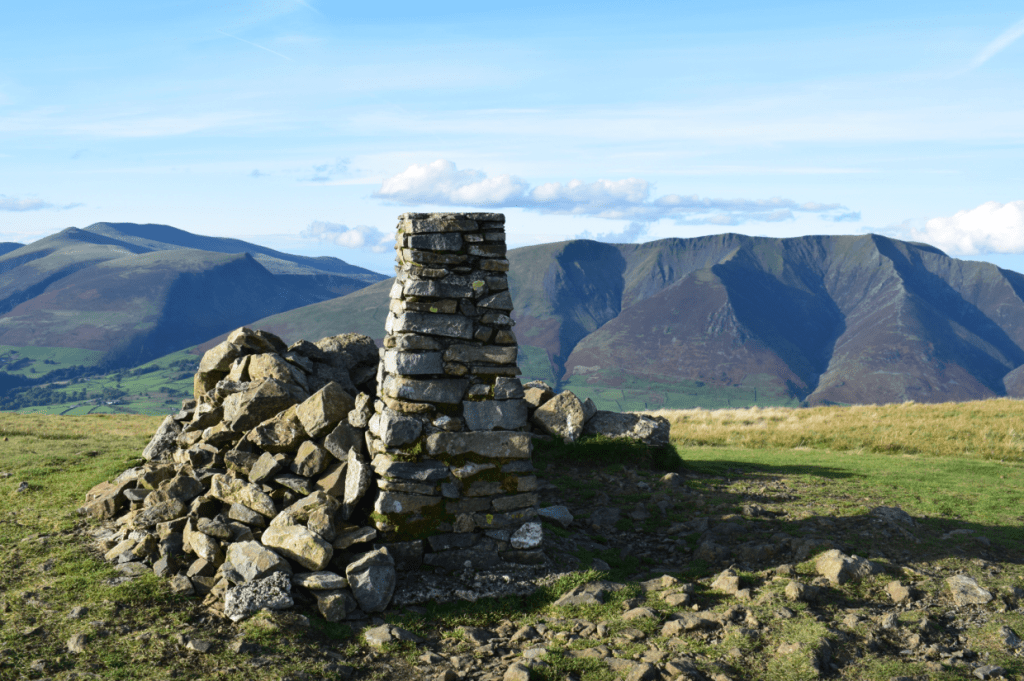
{"points": [[805, 479]]}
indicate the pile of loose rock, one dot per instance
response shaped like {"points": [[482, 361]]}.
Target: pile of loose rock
{"points": [[260, 483]]}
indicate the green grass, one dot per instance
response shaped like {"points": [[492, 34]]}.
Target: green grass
{"points": [[156, 387], [47, 566], [34, 362], [976, 494]]}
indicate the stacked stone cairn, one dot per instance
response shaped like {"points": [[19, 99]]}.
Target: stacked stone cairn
{"points": [[331, 466], [450, 437]]}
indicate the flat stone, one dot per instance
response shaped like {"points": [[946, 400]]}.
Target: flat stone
{"points": [[298, 543], [244, 411], [235, 491], [396, 502], [343, 439], [324, 409], [413, 363], [438, 391], [447, 325], [497, 301], [494, 415], [513, 502], [492, 445], [254, 561], [280, 433], [559, 515], [359, 535], [481, 354], [322, 581], [395, 429], [372, 580], [159, 513], [332, 482], [266, 467], [219, 357], [966, 591], [311, 460], [506, 388], [650, 430], [164, 442], [424, 471], [296, 483]]}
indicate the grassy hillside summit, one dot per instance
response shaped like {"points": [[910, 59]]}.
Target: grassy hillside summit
{"points": [[132, 293], [726, 556]]}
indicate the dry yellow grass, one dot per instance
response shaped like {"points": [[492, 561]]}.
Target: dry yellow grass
{"points": [[988, 429]]}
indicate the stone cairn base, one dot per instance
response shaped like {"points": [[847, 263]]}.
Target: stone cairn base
{"points": [[332, 467], [450, 438]]}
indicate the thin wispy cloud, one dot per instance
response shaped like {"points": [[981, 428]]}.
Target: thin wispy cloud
{"points": [[249, 42], [325, 172], [442, 183], [16, 205], [1004, 40], [360, 236], [634, 231]]}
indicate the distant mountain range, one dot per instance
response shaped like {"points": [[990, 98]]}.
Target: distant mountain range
{"points": [[732, 319], [137, 292], [711, 321]]}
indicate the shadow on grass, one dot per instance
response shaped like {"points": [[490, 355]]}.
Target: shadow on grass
{"points": [[940, 531]]}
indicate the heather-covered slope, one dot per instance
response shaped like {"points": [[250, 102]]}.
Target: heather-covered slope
{"points": [[733, 319]]}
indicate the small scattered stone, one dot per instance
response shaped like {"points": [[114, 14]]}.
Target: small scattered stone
{"points": [[76, 644]]}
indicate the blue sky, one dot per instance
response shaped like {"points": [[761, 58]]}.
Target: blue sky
{"points": [[309, 126]]}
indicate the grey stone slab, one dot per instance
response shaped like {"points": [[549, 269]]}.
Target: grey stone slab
{"points": [[425, 471], [498, 301], [451, 241], [490, 354], [494, 414], [493, 445], [448, 325], [413, 363], [444, 391]]}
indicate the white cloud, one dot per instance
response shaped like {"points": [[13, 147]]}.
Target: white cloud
{"points": [[1004, 40], [360, 236], [442, 183], [990, 228]]}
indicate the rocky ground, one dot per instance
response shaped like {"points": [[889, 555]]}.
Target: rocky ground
{"points": [[677, 576]]}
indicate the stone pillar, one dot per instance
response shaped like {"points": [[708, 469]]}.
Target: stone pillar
{"points": [[449, 439]]}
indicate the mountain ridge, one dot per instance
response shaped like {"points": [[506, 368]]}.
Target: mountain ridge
{"points": [[818, 319]]}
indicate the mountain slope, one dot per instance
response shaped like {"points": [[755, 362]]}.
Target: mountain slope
{"points": [[137, 292], [826, 319]]}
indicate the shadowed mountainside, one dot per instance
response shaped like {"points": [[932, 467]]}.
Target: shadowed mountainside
{"points": [[825, 319], [138, 292]]}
